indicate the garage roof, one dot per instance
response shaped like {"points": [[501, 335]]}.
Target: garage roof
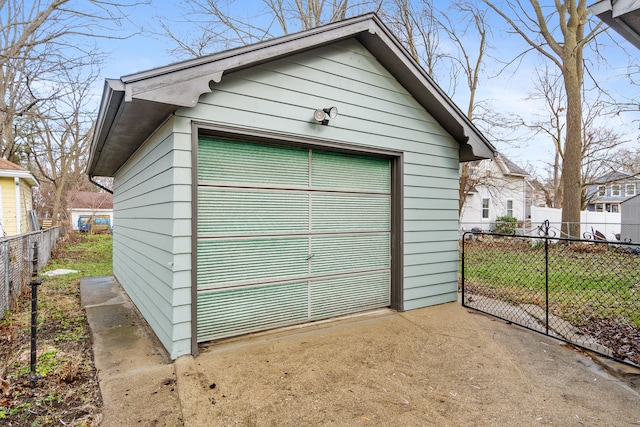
{"points": [[135, 105], [621, 15]]}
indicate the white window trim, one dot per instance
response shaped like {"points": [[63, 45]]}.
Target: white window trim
{"points": [[602, 191], [488, 208], [631, 187], [616, 190]]}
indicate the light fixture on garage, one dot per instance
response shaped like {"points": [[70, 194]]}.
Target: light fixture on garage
{"points": [[323, 115]]}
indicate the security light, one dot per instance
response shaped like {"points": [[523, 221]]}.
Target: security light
{"points": [[332, 112], [323, 115]]}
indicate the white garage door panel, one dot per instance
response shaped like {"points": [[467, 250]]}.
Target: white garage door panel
{"points": [[287, 235]]}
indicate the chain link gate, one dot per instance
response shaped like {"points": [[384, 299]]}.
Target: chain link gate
{"points": [[583, 291]]}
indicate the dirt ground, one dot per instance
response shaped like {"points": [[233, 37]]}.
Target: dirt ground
{"points": [[439, 366]]}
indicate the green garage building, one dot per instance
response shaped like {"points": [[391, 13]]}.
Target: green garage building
{"points": [[302, 178]]}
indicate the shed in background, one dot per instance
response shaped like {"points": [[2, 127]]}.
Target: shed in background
{"points": [[630, 220], [90, 203]]}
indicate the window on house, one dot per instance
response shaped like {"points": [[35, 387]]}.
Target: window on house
{"points": [[599, 207], [630, 190], [615, 208], [510, 208], [615, 190], [602, 191], [485, 208]]}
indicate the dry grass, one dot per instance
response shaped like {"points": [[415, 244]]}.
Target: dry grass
{"points": [[65, 390]]}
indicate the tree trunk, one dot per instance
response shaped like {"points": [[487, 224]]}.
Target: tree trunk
{"points": [[571, 174]]}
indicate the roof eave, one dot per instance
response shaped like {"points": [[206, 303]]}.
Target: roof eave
{"points": [[621, 16], [161, 91], [25, 175]]}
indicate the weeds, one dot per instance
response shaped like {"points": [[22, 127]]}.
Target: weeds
{"points": [[66, 391]]}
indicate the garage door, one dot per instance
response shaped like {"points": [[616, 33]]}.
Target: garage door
{"points": [[288, 235]]}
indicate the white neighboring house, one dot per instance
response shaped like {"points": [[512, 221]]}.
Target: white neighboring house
{"points": [[496, 187], [81, 203]]}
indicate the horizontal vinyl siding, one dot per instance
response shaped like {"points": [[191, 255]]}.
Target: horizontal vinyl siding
{"points": [[9, 224], [151, 241], [374, 112]]}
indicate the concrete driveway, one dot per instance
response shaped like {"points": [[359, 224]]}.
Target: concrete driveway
{"points": [[438, 366]]}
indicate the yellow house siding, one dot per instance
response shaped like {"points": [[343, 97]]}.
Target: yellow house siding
{"points": [[26, 196], [9, 225], [9, 209]]}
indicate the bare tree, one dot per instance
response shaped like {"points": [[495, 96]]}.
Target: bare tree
{"points": [[218, 25], [61, 134], [38, 39], [598, 142], [463, 25], [627, 160], [560, 36], [550, 122]]}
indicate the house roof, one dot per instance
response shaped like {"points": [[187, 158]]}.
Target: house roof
{"points": [[509, 167], [89, 200], [623, 16], [11, 170], [134, 106], [614, 176]]}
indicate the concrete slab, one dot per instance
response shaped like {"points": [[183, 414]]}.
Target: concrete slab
{"points": [[100, 290], [137, 379], [443, 365]]}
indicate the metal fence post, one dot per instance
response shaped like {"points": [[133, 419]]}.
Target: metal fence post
{"points": [[546, 276], [462, 272], [34, 311]]}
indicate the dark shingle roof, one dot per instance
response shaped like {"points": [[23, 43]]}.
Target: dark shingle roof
{"points": [[89, 199]]}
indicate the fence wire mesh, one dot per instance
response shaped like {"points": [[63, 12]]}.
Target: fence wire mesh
{"points": [[583, 291], [15, 263]]}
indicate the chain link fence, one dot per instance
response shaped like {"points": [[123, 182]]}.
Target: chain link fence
{"points": [[583, 291], [15, 263]]}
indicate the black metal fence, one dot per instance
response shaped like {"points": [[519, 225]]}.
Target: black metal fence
{"points": [[584, 291], [15, 263]]}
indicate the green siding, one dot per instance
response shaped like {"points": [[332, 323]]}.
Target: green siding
{"points": [[374, 111], [147, 242]]}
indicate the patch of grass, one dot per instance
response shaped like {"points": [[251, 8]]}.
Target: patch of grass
{"points": [[584, 282], [91, 257], [67, 391]]}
